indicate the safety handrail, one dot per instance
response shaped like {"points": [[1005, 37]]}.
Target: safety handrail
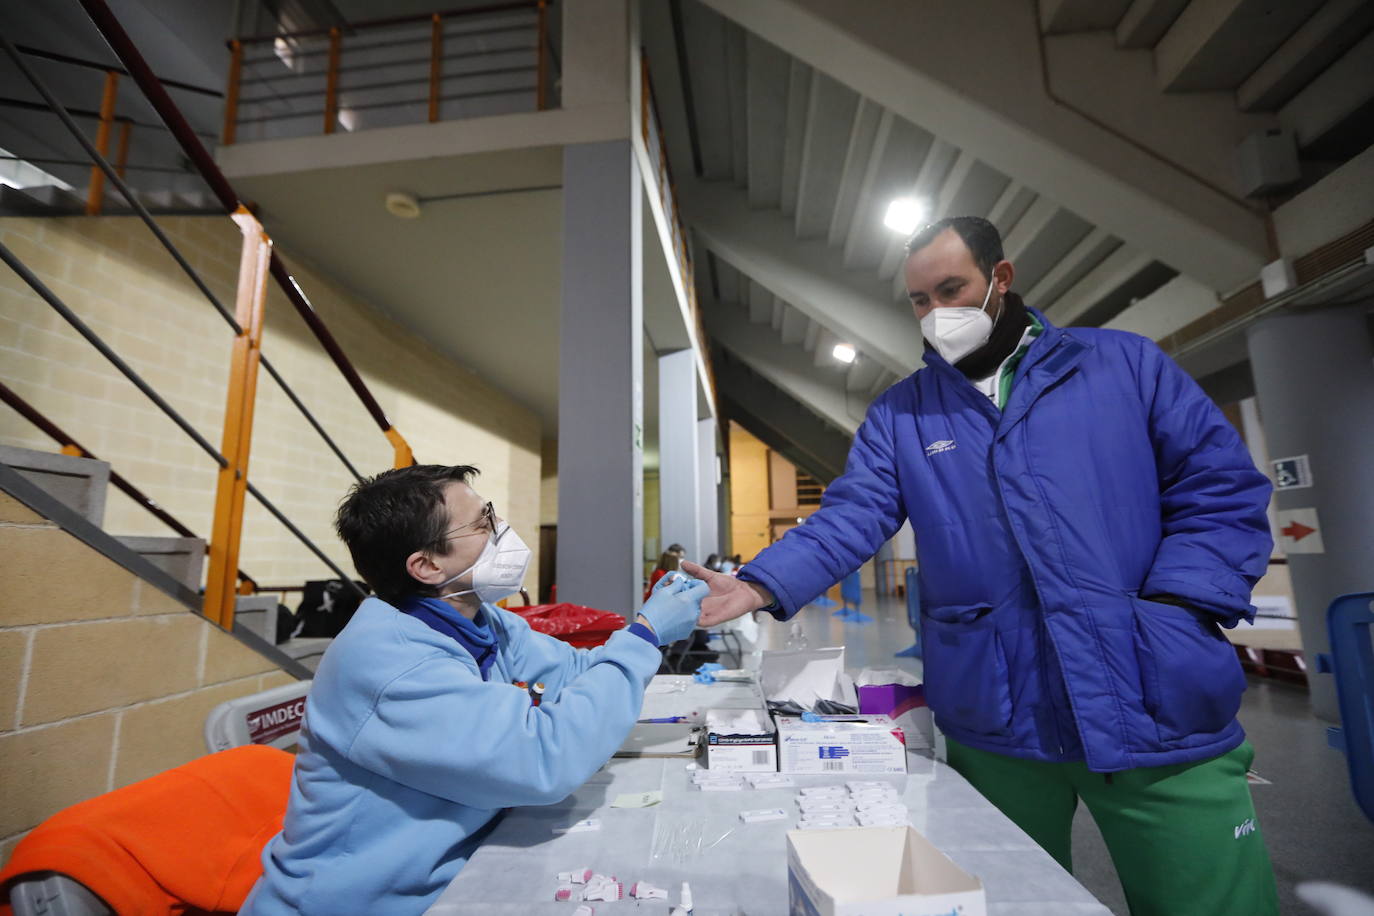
{"points": [[388, 21], [204, 163], [94, 339], [112, 173], [258, 261], [243, 67], [97, 65]]}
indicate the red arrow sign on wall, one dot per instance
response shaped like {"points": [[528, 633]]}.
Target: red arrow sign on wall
{"points": [[1297, 531]]}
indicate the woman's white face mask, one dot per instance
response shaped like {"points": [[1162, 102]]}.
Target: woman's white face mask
{"points": [[499, 571], [956, 331]]}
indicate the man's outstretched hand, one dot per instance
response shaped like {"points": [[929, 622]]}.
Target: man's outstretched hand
{"points": [[729, 597]]}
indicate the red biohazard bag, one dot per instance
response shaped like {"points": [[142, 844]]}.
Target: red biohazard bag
{"points": [[582, 627]]}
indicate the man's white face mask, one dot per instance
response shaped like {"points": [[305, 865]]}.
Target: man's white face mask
{"points": [[956, 331], [499, 570]]}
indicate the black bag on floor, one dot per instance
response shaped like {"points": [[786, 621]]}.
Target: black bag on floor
{"points": [[286, 624], [326, 607]]}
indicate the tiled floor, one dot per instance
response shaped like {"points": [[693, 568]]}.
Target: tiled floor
{"points": [[1314, 830]]}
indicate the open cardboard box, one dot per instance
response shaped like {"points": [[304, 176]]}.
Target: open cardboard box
{"points": [[876, 871]]}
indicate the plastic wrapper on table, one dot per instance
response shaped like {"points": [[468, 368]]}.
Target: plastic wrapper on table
{"points": [[576, 625]]}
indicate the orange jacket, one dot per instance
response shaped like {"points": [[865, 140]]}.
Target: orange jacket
{"points": [[183, 842]]}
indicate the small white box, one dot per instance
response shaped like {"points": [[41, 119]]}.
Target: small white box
{"points": [[876, 871], [1277, 277], [840, 744], [740, 742]]}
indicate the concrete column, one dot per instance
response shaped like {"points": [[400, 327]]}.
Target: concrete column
{"points": [[600, 375], [1314, 378], [708, 502], [678, 479]]}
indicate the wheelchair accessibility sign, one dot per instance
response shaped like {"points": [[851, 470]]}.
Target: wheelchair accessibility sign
{"points": [[1292, 473]]}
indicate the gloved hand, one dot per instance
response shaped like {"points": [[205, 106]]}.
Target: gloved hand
{"points": [[673, 608]]}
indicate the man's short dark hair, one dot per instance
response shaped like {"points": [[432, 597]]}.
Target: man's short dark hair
{"points": [[981, 237], [384, 519]]}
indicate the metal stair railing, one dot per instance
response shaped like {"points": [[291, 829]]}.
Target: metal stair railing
{"points": [[258, 261]]}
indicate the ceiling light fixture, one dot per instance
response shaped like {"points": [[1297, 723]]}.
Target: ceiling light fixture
{"points": [[905, 214], [844, 353]]}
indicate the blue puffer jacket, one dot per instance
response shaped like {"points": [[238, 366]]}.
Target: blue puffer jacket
{"points": [[1042, 532]]}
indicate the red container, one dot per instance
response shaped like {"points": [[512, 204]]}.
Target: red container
{"points": [[578, 626]]}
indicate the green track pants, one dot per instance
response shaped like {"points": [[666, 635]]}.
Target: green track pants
{"points": [[1184, 838]]}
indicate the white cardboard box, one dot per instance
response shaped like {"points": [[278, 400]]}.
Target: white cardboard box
{"points": [[731, 748], [840, 744], [876, 871]]}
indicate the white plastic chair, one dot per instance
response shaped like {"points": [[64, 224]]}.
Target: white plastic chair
{"points": [[271, 717]]}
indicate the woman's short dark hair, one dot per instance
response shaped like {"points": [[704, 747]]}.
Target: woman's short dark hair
{"points": [[982, 238], [384, 519]]}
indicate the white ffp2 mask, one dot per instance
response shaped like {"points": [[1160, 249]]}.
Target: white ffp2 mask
{"points": [[956, 331], [499, 571]]}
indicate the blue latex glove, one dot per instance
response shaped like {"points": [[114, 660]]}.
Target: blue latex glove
{"points": [[673, 608], [705, 674]]}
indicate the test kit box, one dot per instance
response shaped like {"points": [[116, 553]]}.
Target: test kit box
{"points": [[740, 741], [840, 744], [876, 871], [903, 700]]}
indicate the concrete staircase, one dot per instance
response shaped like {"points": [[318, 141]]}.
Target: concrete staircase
{"points": [[81, 484]]}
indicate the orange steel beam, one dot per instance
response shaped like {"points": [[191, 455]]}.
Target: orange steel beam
{"points": [[95, 194], [404, 456], [436, 53], [331, 86], [541, 97], [232, 485], [122, 147], [231, 96]]}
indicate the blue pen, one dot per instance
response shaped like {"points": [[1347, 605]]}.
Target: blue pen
{"points": [[663, 721]]}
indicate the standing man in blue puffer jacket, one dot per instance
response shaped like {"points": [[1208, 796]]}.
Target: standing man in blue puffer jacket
{"points": [[1086, 522]]}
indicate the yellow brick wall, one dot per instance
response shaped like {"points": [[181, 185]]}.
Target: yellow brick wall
{"points": [[113, 273], [104, 680]]}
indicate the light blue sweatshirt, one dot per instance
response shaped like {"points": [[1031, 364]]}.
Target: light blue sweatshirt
{"points": [[406, 754]]}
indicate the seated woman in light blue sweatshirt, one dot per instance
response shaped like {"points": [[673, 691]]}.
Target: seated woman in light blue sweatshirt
{"points": [[416, 734]]}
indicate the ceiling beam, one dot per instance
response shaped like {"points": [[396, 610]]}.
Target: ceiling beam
{"points": [[1146, 21], [760, 304], [1327, 101], [938, 161], [1332, 30], [793, 330], [823, 348], [1004, 116], [1117, 269], [953, 184], [1216, 44], [862, 374], [1061, 16], [780, 423], [787, 367], [807, 275], [867, 138], [854, 235], [1035, 221], [1084, 256], [767, 69], [736, 103], [798, 100], [829, 112]]}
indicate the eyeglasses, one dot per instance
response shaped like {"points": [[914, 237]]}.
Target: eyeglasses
{"points": [[486, 521]]}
